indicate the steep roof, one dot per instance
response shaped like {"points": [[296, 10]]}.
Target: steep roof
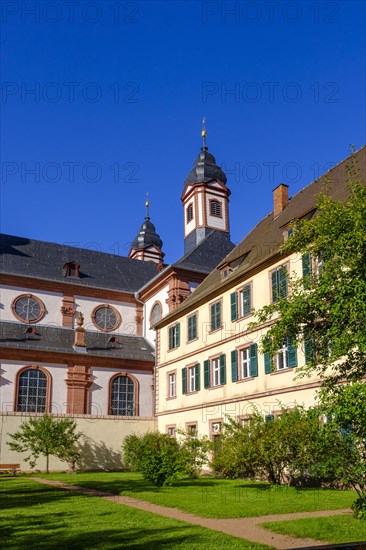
{"points": [[45, 260], [208, 253], [57, 339], [264, 241]]}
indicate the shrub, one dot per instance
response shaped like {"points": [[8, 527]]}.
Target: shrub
{"points": [[155, 455]]}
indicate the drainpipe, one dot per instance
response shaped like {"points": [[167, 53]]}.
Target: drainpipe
{"points": [[137, 298]]}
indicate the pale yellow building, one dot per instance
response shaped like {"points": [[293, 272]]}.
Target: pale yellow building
{"points": [[209, 365]]}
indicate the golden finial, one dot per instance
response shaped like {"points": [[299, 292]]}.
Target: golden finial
{"points": [[147, 204], [204, 132]]}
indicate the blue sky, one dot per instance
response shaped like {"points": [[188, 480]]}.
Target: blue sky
{"points": [[119, 92]]}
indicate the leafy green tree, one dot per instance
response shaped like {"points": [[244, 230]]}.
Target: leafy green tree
{"points": [[46, 436], [292, 448], [345, 406], [325, 309]]}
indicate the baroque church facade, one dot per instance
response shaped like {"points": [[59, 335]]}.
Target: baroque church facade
{"points": [[76, 325], [130, 344]]}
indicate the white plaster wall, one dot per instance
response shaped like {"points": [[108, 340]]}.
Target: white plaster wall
{"points": [[200, 208], [219, 223], [8, 372], [51, 300], [161, 297], [126, 310], [99, 390]]}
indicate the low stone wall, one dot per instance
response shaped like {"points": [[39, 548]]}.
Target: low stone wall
{"points": [[101, 442]]}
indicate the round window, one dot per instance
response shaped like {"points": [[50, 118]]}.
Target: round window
{"points": [[106, 318], [28, 308]]}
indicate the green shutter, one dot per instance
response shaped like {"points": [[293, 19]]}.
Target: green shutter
{"points": [[206, 374], [234, 365], [246, 301], [234, 306], [253, 366], [184, 381], [267, 363], [198, 377], [292, 353], [194, 326], [274, 286], [222, 369], [306, 264], [309, 349], [177, 334], [282, 281]]}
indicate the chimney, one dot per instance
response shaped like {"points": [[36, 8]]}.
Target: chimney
{"points": [[280, 199]]}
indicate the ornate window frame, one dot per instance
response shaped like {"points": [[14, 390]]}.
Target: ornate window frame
{"points": [[48, 389], [32, 321], [136, 393], [115, 311]]}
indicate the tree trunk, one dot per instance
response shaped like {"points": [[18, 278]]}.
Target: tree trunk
{"points": [[47, 463]]}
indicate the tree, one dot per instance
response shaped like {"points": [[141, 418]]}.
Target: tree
{"points": [[345, 407], [46, 436], [325, 309], [291, 448]]}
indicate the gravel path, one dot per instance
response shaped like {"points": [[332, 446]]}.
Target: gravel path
{"points": [[247, 528]]}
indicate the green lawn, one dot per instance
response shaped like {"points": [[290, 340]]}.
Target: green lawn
{"points": [[335, 529], [212, 497], [39, 517]]}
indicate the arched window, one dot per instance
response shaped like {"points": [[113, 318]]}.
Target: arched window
{"points": [[156, 313], [32, 391], [123, 396], [215, 208], [189, 213]]}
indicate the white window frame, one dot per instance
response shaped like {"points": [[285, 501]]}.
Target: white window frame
{"points": [[281, 357], [216, 372], [192, 379], [244, 363], [172, 382]]}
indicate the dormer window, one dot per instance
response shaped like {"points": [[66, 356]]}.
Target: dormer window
{"points": [[71, 269], [189, 213], [215, 208]]}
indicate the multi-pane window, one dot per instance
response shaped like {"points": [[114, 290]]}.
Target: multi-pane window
{"points": [[28, 308], [281, 358], [279, 283], [32, 391], [214, 372], [241, 302], [122, 396], [172, 384], [286, 357], [215, 208], [192, 327], [191, 379], [171, 431], [244, 363], [215, 315], [192, 430], [189, 213], [106, 318], [174, 336]]}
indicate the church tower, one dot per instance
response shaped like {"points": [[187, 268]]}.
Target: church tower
{"points": [[147, 244], [205, 199]]}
